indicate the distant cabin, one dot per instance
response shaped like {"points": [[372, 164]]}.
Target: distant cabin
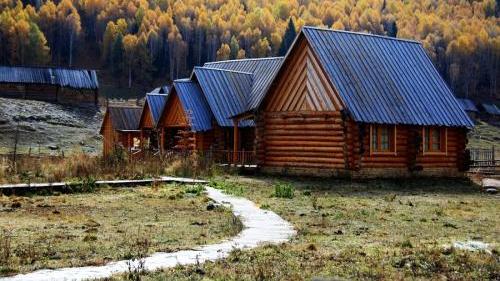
{"points": [[197, 113], [59, 85], [490, 111], [346, 103], [469, 107], [120, 129]]}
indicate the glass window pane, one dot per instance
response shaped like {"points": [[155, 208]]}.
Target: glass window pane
{"points": [[427, 139], [436, 140], [384, 139], [374, 138]]}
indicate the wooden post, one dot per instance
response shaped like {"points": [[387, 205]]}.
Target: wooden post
{"points": [[236, 140], [162, 140]]}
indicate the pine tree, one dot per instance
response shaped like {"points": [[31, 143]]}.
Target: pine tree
{"points": [[117, 56], [288, 38]]}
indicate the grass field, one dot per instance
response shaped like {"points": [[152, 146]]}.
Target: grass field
{"points": [[372, 230], [63, 230], [484, 135]]}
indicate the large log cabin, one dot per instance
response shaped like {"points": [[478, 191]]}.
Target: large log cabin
{"points": [[74, 86], [120, 128], [355, 104]]}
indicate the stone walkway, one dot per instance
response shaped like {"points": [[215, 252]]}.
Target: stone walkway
{"points": [[260, 227]]}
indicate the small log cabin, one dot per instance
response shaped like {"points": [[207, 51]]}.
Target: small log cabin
{"points": [[186, 122], [354, 104], [469, 107], [197, 113], [59, 85], [120, 128], [154, 106]]}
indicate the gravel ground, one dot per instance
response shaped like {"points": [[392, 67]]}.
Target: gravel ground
{"points": [[49, 126]]}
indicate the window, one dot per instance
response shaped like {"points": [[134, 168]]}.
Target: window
{"points": [[434, 140], [383, 139]]}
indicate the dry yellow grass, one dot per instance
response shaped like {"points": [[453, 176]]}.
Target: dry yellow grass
{"points": [[64, 230]]}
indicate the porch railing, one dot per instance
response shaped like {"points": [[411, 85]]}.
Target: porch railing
{"points": [[484, 157]]}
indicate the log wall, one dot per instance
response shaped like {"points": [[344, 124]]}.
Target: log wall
{"points": [[48, 93]]}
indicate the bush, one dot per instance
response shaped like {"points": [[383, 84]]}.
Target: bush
{"points": [[284, 190]]}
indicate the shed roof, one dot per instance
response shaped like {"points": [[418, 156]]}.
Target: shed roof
{"points": [[226, 92], [491, 108], [468, 105], [194, 104], [71, 78], [385, 80], [124, 118], [156, 104], [263, 70]]}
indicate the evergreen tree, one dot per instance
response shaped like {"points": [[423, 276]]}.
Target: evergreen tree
{"points": [[117, 56], [288, 38]]}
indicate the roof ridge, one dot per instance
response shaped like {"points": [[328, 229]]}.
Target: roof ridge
{"points": [[124, 106], [155, 94], [183, 80], [48, 67], [225, 70], [246, 59], [363, 34]]}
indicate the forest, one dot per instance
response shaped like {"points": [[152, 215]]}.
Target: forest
{"points": [[138, 42]]}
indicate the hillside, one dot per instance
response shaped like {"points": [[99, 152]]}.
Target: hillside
{"points": [[41, 125], [141, 44]]}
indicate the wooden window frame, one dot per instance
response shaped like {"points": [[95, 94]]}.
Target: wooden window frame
{"points": [[443, 135], [392, 142]]}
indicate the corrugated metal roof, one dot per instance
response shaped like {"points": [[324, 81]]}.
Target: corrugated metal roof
{"points": [[263, 70], [71, 78], [226, 92], [491, 109], [125, 118], [385, 80], [467, 105], [156, 103], [194, 104]]}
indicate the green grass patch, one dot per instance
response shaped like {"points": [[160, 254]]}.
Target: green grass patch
{"points": [[364, 230]]}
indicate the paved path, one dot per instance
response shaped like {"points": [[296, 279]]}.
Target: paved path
{"points": [[260, 227], [491, 183]]}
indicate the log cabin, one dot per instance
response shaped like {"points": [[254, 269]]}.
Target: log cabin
{"points": [[198, 110], [186, 121], [120, 129], [153, 108], [60, 85], [469, 107], [355, 104]]}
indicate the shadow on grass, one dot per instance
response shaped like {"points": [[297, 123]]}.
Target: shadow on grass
{"points": [[408, 186]]}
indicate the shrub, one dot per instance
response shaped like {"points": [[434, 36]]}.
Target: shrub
{"points": [[284, 190]]}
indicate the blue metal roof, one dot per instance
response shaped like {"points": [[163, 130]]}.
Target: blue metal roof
{"points": [[467, 105], [491, 109], [226, 92], [156, 103], [71, 78], [194, 104], [385, 80], [263, 70]]}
